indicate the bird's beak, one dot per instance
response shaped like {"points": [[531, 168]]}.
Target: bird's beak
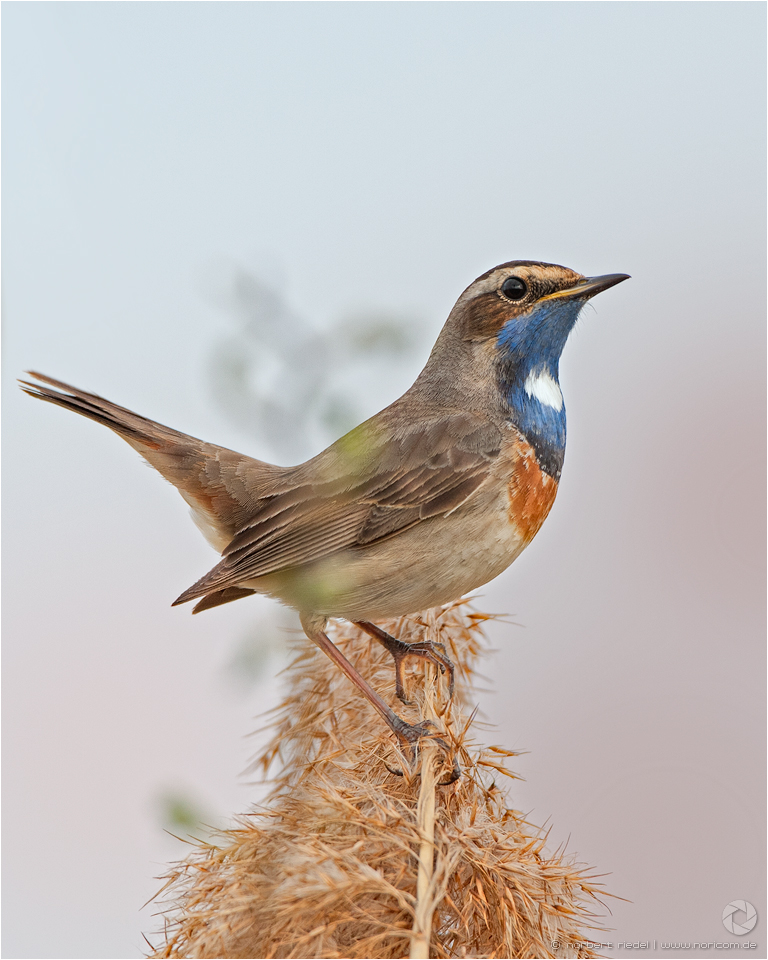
{"points": [[587, 287]]}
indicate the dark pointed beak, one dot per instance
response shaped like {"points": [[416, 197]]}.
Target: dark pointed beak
{"points": [[588, 287]]}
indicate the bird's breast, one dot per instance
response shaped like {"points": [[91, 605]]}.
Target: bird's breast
{"points": [[530, 491]]}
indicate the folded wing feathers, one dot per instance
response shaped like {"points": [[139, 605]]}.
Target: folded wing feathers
{"points": [[281, 517], [302, 544], [310, 522]]}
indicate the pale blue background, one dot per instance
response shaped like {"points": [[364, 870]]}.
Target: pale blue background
{"points": [[379, 156]]}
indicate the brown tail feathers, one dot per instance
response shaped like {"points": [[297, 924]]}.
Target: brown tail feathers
{"points": [[222, 487]]}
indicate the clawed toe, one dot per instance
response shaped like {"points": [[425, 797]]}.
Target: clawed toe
{"points": [[434, 652], [430, 650], [411, 733], [452, 777]]}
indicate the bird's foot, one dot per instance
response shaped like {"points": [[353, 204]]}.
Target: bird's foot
{"points": [[410, 734], [430, 650]]}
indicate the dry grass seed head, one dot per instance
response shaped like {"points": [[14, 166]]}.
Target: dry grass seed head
{"points": [[328, 868]]}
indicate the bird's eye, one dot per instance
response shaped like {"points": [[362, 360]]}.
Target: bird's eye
{"points": [[514, 288]]}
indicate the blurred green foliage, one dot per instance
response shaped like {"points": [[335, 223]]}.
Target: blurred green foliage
{"points": [[181, 815], [296, 387]]}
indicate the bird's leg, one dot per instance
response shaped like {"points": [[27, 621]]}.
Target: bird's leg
{"points": [[407, 733], [430, 650]]}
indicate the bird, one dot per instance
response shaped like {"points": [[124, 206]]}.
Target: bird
{"points": [[429, 499]]}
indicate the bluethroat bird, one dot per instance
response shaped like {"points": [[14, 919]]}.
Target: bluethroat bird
{"points": [[429, 499]]}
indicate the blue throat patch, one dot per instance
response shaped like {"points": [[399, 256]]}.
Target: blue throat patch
{"points": [[528, 349]]}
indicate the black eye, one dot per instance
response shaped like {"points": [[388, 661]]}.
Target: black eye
{"points": [[514, 288]]}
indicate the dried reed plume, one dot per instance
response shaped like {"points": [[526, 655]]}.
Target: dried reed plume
{"points": [[348, 859]]}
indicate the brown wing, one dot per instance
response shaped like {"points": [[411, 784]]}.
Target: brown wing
{"points": [[363, 488]]}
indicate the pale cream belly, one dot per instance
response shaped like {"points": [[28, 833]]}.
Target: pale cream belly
{"points": [[434, 562]]}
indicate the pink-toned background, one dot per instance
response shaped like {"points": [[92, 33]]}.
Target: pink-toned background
{"points": [[368, 161]]}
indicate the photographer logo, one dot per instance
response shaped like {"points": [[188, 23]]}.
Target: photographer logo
{"points": [[739, 917]]}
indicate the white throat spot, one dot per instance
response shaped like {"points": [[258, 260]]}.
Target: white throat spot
{"points": [[543, 386]]}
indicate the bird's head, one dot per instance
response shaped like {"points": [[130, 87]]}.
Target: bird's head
{"points": [[527, 308], [519, 315]]}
